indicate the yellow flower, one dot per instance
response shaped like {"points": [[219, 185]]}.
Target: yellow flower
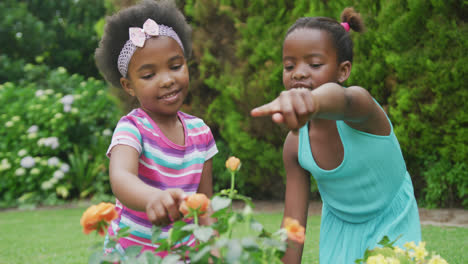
{"points": [[233, 164], [410, 245], [436, 259], [392, 261], [399, 251], [420, 251], [379, 259]]}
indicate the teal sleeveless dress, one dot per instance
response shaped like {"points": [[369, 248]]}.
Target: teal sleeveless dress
{"points": [[369, 195]]}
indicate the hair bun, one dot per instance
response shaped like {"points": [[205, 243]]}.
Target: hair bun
{"points": [[353, 18]]}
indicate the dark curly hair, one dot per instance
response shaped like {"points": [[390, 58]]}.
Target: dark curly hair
{"points": [[116, 33], [340, 38]]}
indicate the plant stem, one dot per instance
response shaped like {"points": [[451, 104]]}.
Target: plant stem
{"points": [[195, 216], [231, 193]]}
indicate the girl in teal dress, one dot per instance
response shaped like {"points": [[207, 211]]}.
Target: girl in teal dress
{"points": [[344, 139]]}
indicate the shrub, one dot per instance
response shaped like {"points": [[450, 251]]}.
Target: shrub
{"points": [[54, 136], [412, 59], [58, 33]]}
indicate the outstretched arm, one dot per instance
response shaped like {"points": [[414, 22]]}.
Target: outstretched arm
{"points": [[354, 105], [297, 195], [160, 205], [206, 187]]}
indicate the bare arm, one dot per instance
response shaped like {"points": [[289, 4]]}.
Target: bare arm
{"points": [[329, 101], [206, 187], [297, 195], [135, 194]]}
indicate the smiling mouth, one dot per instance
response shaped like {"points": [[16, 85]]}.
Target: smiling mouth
{"points": [[169, 95]]}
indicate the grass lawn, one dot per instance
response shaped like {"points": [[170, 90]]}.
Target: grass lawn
{"points": [[54, 236]]}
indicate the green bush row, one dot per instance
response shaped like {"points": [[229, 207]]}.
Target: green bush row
{"points": [[55, 131], [412, 59]]}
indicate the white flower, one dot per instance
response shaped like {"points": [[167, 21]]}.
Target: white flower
{"points": [[58, 115], [67, 108], [74, 110], [20, 172], [49, 91], [22, 152], [61, 70], [53, 181], [54, 161], [46, 185], [27, 162], [39, 93], [9, 124], [35, 171], [67, 99], [15, 118], [5, 165], [33, 129], [19, 35], [106, 132], [65, 168], [58, 174], [51, 142]]}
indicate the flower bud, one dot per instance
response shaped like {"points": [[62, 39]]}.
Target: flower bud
{"points": [[233, 164]]}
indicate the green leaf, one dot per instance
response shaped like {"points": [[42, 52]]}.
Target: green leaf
{"points": [[170, 259], [218, 203], [203, 233], [256, 226], [189, 227], [148, 257], [234, 251], [133, 251], [124, 232], [156, 232], [249, 242], [200, 254]]}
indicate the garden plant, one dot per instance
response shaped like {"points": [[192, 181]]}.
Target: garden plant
{"points": [[215, 243]]}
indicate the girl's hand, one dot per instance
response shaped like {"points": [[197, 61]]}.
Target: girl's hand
{"points": [[163, 207], [293, 107]]}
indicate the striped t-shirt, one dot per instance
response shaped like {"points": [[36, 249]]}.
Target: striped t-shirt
{"points": [[162, 164]]}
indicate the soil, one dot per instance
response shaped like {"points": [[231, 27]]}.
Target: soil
{"points": [[438, 217]]}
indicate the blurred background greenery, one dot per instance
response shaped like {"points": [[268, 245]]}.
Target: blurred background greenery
{"points": [[57, 114]]}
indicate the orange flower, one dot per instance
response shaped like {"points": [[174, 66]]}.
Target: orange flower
{"points": [[233, 163], [97, 217], [295, 231], [197, 201]]}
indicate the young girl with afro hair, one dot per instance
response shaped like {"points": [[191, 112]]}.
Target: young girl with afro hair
{"points": [[158, 154]]}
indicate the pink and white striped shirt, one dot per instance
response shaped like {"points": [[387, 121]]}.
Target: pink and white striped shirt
{"points": [[162, 164]]}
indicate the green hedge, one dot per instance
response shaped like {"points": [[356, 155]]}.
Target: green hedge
{"points": [[57, 33], [412, 59], [56, 129]]}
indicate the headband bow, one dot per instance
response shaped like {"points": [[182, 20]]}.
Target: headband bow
{"points": [[137, 38], [138, 35]]}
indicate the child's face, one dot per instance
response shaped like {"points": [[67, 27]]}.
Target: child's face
{"points": [[309, 59], [158, 76]]}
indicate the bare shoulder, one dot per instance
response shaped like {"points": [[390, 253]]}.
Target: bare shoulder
{"points": [[368, 116]]}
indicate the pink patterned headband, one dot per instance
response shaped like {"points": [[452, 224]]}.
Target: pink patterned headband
{"points": [[138, 36]]}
